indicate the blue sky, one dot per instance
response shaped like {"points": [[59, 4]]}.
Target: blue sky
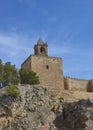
{"points": [[66, 25]]}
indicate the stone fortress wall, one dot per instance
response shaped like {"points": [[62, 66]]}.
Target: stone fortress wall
{"points": [[76, 84]]}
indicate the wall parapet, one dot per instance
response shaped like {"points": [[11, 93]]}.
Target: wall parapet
{"points": [[76, 84], [68, 77]]}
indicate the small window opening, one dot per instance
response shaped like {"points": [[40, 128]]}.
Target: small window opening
{"points": [[47, 67]]}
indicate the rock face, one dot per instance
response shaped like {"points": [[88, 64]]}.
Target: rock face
{"points": [[31, 111], [35, 109], [78, 116]]}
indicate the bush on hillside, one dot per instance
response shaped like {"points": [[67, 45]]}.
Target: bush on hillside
{"points": [[28, 77], [12, 91]]}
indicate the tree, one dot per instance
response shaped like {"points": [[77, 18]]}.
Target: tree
{"points": [[28, 77], [10, 74]]}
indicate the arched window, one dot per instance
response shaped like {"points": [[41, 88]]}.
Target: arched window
{"points": [[42, 50]]}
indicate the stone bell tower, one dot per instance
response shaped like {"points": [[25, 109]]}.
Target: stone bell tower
{"points": [[49, 69], [41, 48]]}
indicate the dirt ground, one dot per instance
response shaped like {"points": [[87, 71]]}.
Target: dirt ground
{"points": [[71, 96]]}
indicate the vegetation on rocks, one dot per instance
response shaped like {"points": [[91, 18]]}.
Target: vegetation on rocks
{"points": [[12, 90]]}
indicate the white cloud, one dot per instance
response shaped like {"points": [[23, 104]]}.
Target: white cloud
{"points": [[13, 43], [15, 47]]}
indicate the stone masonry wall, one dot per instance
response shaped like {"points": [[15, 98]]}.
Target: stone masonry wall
{"points": [[49, 70], [27, 63], [76, 84]]}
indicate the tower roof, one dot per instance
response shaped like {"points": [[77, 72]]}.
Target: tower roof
{"points": [[40, 41]]}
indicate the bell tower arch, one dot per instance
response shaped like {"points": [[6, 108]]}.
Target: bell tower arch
{"points": [[41, 48]]}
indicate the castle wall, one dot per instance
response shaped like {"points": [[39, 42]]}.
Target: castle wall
{"points": [[76, 84], [49, 70], [27, 63]]}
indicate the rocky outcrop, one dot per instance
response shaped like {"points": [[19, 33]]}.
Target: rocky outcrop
{"points": [[78, 116], [35, 109], [31, 111]]}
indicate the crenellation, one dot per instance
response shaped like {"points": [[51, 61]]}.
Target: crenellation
{"points": [[76, 78], [76, 84]]}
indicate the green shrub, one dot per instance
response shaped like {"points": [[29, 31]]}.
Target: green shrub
{"points": [[12, 91], [8, 74], [28, 77]]}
